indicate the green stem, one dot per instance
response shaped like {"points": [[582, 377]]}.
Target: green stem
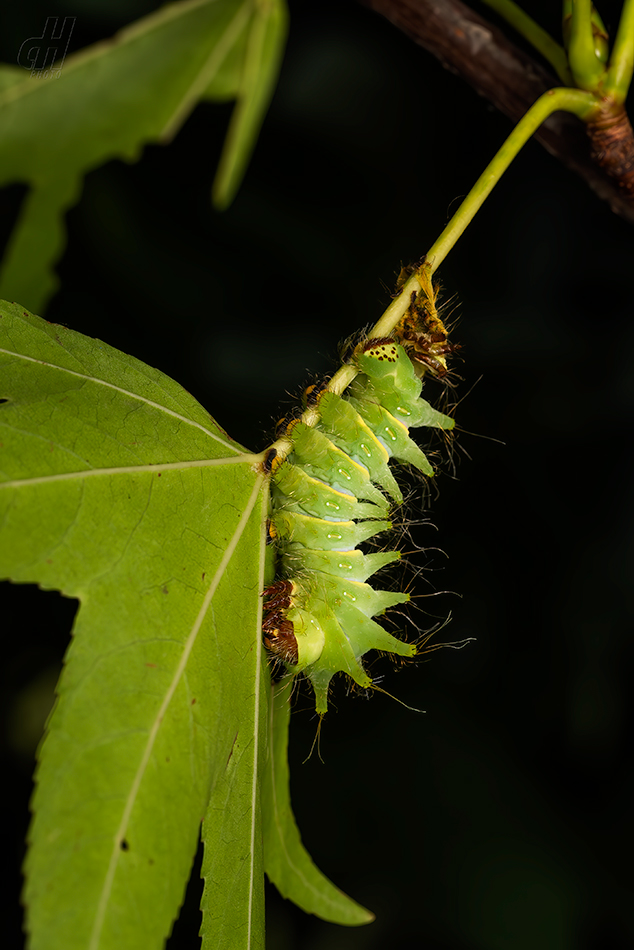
{"points": [[582, 104], [587, 70], [599, 32], [619, 77], [535, 34]]}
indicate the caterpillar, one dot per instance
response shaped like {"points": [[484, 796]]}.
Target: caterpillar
{"points": [[331, 490]]}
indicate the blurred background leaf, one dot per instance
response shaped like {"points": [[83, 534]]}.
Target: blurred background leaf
{"points": [[111, 98]]}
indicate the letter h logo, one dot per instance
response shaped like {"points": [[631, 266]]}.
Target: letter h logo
{"points": [[44, 55]]}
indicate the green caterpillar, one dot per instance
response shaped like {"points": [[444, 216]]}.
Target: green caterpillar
{"points": [[329, 495]]}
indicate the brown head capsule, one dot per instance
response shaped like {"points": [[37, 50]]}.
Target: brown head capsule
{"points": [[278, 633]]}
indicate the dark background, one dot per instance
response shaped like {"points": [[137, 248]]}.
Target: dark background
{"points": [[502, 818]]}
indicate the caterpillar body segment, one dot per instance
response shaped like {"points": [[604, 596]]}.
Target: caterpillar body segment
{"points": [[345, 423], [319, 534], [352, 565], [333, 631], [397, 391], [304, 493], [322, 458], [395, 436]]}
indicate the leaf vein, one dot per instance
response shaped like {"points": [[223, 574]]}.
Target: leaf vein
{"points": [[125, 392]]}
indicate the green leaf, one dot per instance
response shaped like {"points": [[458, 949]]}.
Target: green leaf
{"points": [[114, 97], [286, 861], [225, 83], [119, 489], [233, 868], [265, 44], [9, 76]]}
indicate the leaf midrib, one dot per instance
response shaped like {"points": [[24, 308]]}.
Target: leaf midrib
{"points": [[155, 467], [255, 778]]}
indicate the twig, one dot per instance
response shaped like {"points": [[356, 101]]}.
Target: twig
{"points": [[510, 79]]}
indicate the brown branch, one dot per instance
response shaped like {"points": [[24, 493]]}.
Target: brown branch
{"points": [[511, 80], [611, 140]]}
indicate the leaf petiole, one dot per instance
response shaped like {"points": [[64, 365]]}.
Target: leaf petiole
{"points": [[535, 34], [586, 68], [619, 74]]}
